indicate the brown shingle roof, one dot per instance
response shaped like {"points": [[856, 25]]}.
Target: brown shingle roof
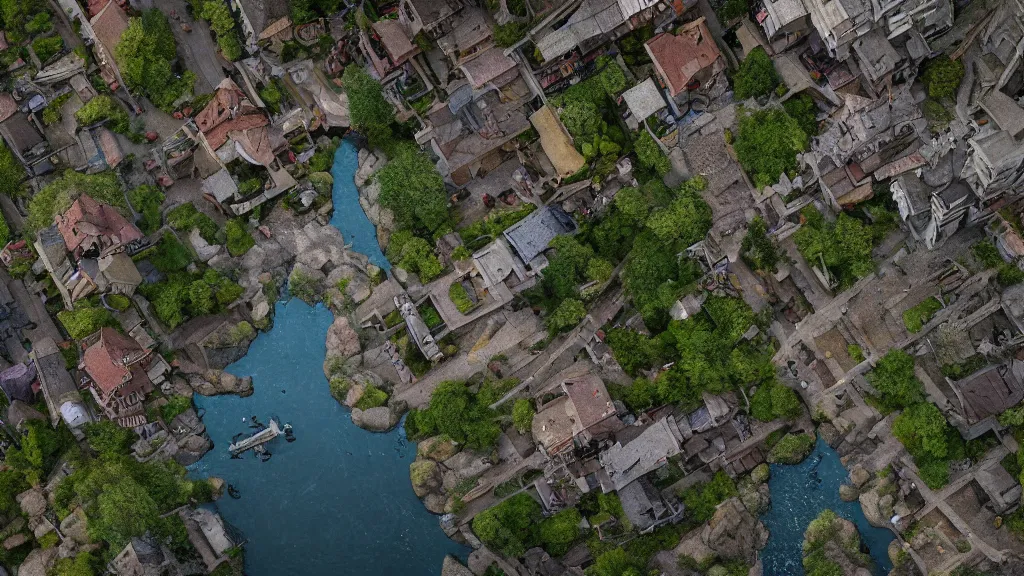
{"points": [[105, 360], [590, 400], [681, 56], [87, 218], [109, 24]]}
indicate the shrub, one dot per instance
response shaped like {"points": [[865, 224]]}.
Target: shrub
{"points": [[185, 217], [12, 173], [170, 255], [239, 240], [756, 76], [510, 527], [522, 415], [459, 297], [85, 319], [175, 406], [758, 249], [147, 200], [372, 397], [102, 108], [371, 113], [915, 318], [414, 254], [46, 48], [803, 109], [792, 449], [701, 499], [942, 77], [568, 314], [767, 144], [119, 302], [304, 287], [58, 196], [650, 155], [339, 388]]}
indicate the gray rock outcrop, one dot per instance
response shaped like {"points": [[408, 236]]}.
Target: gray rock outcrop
{"points": [[216, 382], [381, 418], [38, 562], [734, 533], [342, 339]]}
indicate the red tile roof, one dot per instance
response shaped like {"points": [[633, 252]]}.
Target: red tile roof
{"points": [[219, 135], [105, 361], [681, 56], [87, 219]]}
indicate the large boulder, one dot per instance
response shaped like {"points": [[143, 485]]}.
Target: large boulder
{"points": [[870, 504], [14, 541], [74, 526], [38, 562], [216, 382], [832, 540], [859, 476], [848, 493], [32, 502], [437, 448], [342, 339], [452, 567], [381, 418], [425, 476], [191, 449], [734, 533]]}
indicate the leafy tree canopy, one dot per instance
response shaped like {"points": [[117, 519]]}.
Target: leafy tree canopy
{"points": [[144, 56], [756, 76], [512, 526], [893, 378], [370, 112], [413, 190], [767, 144], [845, 245]]}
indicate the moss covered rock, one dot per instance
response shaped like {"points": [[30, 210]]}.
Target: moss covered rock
{"points": [[792, 449]]}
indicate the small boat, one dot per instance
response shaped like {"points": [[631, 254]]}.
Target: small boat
{"points": [[233, 492], [289, 434]]}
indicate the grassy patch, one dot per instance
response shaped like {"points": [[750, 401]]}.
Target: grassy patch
{"points": [[915, 318], [460, 298]]}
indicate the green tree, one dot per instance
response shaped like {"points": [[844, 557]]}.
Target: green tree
{"points": [[615, 562], [845, 245], [702, 498], [457, 413], [144, 55], [803, 109], [773, 400], [559, 532], [650, 155], [102, 108], [767, 144], [568, 314], [370, 112], [758, 249], [223, 24], [522, 415], [581, 118], [756, 76], [893, 378], [599, 270], [124, 509], [942, 77], [107, 437], [510, 527], [733, 9], [922, 429], [687, 219], [633, 351], [413, 190]]}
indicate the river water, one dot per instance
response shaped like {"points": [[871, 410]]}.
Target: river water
{"points": [[799, 494], [348, 215], [338, 500]]}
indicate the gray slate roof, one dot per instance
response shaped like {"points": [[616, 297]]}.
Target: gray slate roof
{"points": [[531, 235]]}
